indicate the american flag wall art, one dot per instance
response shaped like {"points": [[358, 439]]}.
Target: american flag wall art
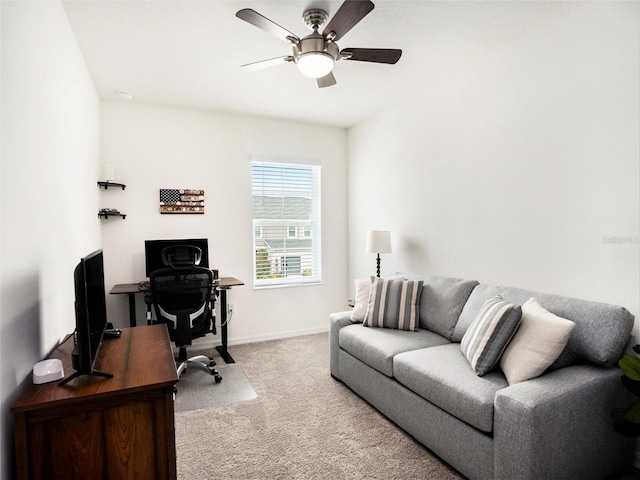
{"points": [[181, 200]]}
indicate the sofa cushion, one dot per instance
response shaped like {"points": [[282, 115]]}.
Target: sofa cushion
{"points": [[600, 334], [377, 346], [441, 375], [441, 303], [538, 342], [393, 304], [489, 333]]}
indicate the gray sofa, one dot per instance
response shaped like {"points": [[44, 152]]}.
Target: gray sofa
{"points": [[555, 426]]}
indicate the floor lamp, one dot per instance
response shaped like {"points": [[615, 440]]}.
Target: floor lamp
{"points": [[378, 241]]}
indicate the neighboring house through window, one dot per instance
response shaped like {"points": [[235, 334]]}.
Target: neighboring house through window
{"points": [[286, 223]]}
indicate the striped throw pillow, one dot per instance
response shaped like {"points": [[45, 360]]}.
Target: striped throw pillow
{"points": [[394, 304], [489, 333]]}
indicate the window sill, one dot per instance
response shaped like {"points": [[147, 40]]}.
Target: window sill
{"points": [[288, 285]]}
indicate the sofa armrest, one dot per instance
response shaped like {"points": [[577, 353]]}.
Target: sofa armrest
{"points": [[558, 426], [336, 322]]}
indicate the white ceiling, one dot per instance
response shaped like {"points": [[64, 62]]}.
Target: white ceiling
{"points": [[187, 53]]}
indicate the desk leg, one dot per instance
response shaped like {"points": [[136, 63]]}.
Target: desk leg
{"points": [[222, 349], [132, 309]]}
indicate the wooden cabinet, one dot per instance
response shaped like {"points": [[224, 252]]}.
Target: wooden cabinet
{"points": [[103, 428]]}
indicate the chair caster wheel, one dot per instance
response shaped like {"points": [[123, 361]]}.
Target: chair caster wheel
{"points": [[212, 363], [218, 378]]}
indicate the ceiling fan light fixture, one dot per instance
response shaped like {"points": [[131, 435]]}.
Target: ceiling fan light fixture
{"points": [[315, 64]]}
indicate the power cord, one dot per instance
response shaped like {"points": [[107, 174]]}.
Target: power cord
{"points": [[66, 339], [229, 316]]}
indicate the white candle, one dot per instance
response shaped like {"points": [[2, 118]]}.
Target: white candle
{"points": [[109, 172]]}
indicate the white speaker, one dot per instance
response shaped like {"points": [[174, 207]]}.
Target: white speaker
{"points": [[47, 371]]}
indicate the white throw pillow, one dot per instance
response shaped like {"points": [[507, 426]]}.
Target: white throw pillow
{"points": [[362, 300], [536, 345]]}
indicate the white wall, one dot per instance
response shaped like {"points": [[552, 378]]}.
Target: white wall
{"points": [[154, 147], [49, 199], [518, 168]]}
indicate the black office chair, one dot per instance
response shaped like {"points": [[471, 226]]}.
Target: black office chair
{"points": [[182, 299]]}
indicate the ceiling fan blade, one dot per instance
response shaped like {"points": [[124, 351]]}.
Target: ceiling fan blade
{"points": [[267, 63], [348, 15], [327, 80], [377, 55], [260, 21]]}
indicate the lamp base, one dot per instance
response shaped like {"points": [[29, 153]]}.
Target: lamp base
{"points": [[378, 266]]}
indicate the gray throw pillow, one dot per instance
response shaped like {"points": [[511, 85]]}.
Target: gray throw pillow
{"points": [[394, 304], [489, 333]]}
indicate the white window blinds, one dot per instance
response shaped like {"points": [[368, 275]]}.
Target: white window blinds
{"points": [[286, 223]]}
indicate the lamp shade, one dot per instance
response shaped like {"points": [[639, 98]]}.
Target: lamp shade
{"points": [[378, 241]]}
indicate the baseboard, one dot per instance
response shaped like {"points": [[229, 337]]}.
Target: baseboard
{"points": [[211, 342], [277, 335]]}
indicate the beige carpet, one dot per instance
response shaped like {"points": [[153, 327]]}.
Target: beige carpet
{"points": [[302, 425]]}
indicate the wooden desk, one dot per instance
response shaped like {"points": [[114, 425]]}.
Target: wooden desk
{"points": [[221, 284], [130, 289], [103, 428]]}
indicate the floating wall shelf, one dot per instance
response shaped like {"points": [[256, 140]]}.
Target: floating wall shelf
{"points": [[106, 185], [108, 214]]}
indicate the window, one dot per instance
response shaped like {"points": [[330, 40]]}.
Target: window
{"points": [[292, 266], [286, 223]]}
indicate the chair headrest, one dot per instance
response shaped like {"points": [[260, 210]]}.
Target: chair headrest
{"points": [[181, 256]]}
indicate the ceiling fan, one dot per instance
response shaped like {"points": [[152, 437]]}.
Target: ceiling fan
{"points": [[317, 53]]}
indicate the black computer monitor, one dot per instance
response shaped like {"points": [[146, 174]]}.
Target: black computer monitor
{"points": [[153, 252], [91, 315]]}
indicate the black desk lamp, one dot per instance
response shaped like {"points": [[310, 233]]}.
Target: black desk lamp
{"points": [[378, 241]]}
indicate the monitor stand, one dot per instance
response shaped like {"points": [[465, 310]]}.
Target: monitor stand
{"points": [[76, 374]]}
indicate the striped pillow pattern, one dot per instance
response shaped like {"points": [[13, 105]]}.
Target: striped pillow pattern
{"points": [[489, 333], [394, 304]]}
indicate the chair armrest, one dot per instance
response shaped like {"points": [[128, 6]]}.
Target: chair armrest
{"points": [[558, 425], [336, 322]]}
